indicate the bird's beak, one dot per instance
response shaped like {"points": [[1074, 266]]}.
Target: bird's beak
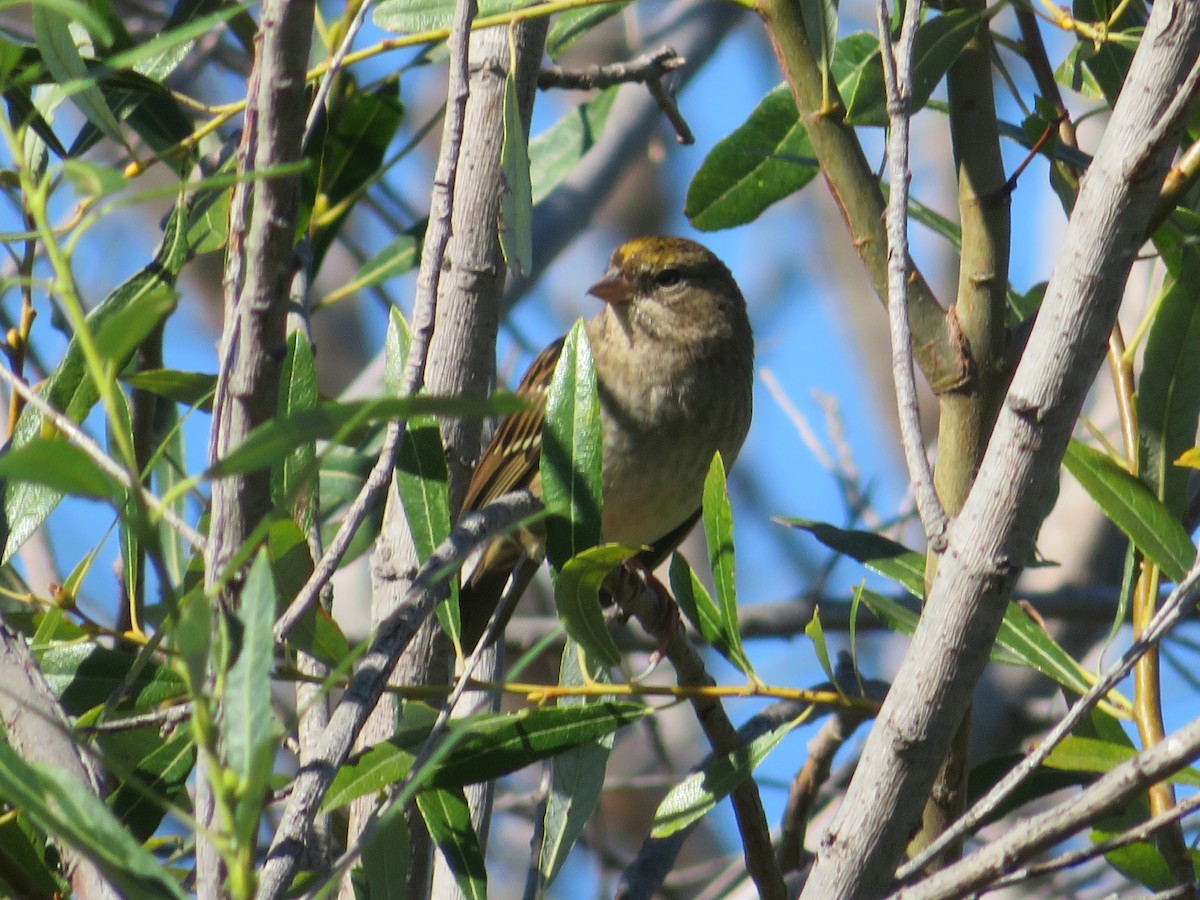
{"points": [[613, 288]]}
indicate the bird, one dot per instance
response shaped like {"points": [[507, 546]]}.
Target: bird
{"points": [[674, 358]]}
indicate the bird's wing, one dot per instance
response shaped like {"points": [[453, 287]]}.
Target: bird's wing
{"points": [[520, 434]]}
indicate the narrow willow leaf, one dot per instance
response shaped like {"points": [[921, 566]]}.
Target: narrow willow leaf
{"points": [[448, 817], [718, 531], [554, 152], [422, 483], [158, 768], [385, 856], [1168, 397], [692, 798], [395, 351], [355, 134], [516, 201], [298, 394], [62, 58], [577, 597], [879, 554], [59, 805], [61, 467], [820, 19], [487, 747], [576, 775], [412, 16], [192, 389], [84, 675], [939, 42], [401, 255], [1020, 642], [1084, 754], [270, 442], [248, 724], [816, 634], [1108, 62], [1133, 508], [571, 452], [695, 601]]}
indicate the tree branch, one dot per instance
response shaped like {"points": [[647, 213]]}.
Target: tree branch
{"points": [[992, 538]]}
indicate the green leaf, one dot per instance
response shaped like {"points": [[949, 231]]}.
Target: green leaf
{"points": [[718, 531], [62, 58], [422, 483], [57, 465], [154, 774], [1074, 74], [697, 604], [413, 16], [576, 775], [577, 597], [386, 854], [123, 332], [401, 255], [91, 180], [292, 482], [395, 351], [448, 818], [820, 19], [554, 153], [1029, 642], [357, 129], [1133, 508], [516, 198], [816, 634], [189, 388], [568, 27], [692, 798], [1168, 397], [762, 161], [59, 805], [248, 724], [83, 676], [491, 745], [149, 108], [270, 442], [571, 452], [1083, 754], [1109, 63], [881, 555]]}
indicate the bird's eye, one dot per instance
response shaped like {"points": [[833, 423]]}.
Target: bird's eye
{"points": [[668, 278]]}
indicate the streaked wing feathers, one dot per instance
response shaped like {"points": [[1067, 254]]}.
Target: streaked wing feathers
{"points": [[511, 460]]}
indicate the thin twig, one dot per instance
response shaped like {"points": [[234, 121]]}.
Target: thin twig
{"points": [[1174, 610], [1044, 830], [1140, 832], [334, 68], [647, 67], [897, 77]]}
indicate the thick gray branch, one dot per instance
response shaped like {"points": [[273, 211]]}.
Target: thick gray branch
{"points": [[36, 728], [992, 538]]}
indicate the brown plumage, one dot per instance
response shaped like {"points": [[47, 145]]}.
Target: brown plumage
{"points": [[674, 363]]}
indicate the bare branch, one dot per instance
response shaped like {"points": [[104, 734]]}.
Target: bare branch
{"points": [[897, 78]]}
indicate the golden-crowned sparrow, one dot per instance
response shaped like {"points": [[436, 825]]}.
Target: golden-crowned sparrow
{"points": [[674, 361]]}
